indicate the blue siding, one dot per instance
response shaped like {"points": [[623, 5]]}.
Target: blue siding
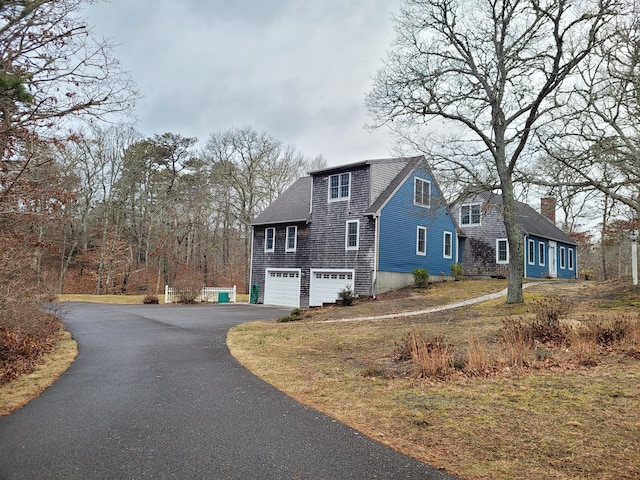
{"points": [[399, 220], [536, 270], [563, 269]]}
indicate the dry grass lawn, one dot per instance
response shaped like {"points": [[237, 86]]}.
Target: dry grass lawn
{"points": [[123, 299], [562, 422]]}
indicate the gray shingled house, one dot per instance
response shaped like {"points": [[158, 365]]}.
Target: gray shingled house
{"points": [[363, 226]]}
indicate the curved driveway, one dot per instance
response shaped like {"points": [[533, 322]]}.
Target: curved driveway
{"points": [[155, 394]]}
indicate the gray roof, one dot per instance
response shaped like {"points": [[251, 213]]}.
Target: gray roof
{"points": [[531, 222], [393, 185], [293, 206]]}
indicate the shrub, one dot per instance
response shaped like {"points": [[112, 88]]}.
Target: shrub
{"points": [[432, 357], [478, 361], [188, 295], [26, 331], [516, 337], [586, 274], [150, 300], [420, 277], [584, 345], [550, 310], [456, 270], [346, 296], [295, 315]]}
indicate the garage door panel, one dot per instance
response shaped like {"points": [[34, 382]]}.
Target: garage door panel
{"points": [[282, 287], [326, 284]]}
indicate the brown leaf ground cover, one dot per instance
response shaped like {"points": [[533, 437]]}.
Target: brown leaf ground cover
{"points": [[553, 419]]}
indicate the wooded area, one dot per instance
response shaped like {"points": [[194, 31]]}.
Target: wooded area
{"points": [[89, 205], [533, 97]]}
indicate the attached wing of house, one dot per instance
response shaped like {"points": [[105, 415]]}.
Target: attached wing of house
{"points": [[549, 252]]}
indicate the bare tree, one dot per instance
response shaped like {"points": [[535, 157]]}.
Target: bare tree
{"points": [[250, 169], [487, 71], [96, 158], [597, 140], [52, 71]]}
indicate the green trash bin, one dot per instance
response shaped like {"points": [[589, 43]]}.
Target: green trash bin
{"points": [[253, 298], [223, 297]]}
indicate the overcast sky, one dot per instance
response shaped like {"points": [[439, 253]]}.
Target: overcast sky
{"points": [[297, 69]]}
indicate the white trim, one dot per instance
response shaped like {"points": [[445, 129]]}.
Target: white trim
{"points": [[542, 254], [470, 205], [424, 180], [498, 261], [273, 245], [340, 197], [346, 235], [295, 239], [418, 230], [444, 244], [570, 259], [563, 259], [531, 252]]}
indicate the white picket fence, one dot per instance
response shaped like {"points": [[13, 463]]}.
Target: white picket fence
{"points": [[204, 294]]}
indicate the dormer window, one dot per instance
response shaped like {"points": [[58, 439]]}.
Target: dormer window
{"points": [[470, 214], [339, 186], [422, 192]]}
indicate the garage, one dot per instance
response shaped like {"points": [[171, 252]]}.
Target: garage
{"points": [[325, 285], [282, 287]]}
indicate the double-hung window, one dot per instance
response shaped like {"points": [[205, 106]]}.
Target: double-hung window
{"points": [[292, 233], [541, 254], [562, 258], [422, 192], [570, 258], [502, 251], [339, 186], [470, 214], [352, 234], [531, 251], [421, 241], [447, 245], [269, 239]]}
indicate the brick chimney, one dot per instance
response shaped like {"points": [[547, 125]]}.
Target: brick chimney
{"points": [[548, 208]]}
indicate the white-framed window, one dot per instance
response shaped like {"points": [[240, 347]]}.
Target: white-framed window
{"points": [[447, 245], [541, 254], [563, 261], [352, 233], [269, 239], [339, 186], [570, 263], [502, 251], [470, 214], [531, 252], [292, 239], [422, 192], [421, 241]]}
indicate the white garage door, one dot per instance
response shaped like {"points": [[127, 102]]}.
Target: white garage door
{"points": [[325, 285], [282, 287]]}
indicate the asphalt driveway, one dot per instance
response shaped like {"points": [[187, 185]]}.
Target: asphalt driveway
{"points": [[154, 393]]}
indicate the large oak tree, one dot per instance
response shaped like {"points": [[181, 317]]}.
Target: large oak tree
{"points": [[486, 71]]}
